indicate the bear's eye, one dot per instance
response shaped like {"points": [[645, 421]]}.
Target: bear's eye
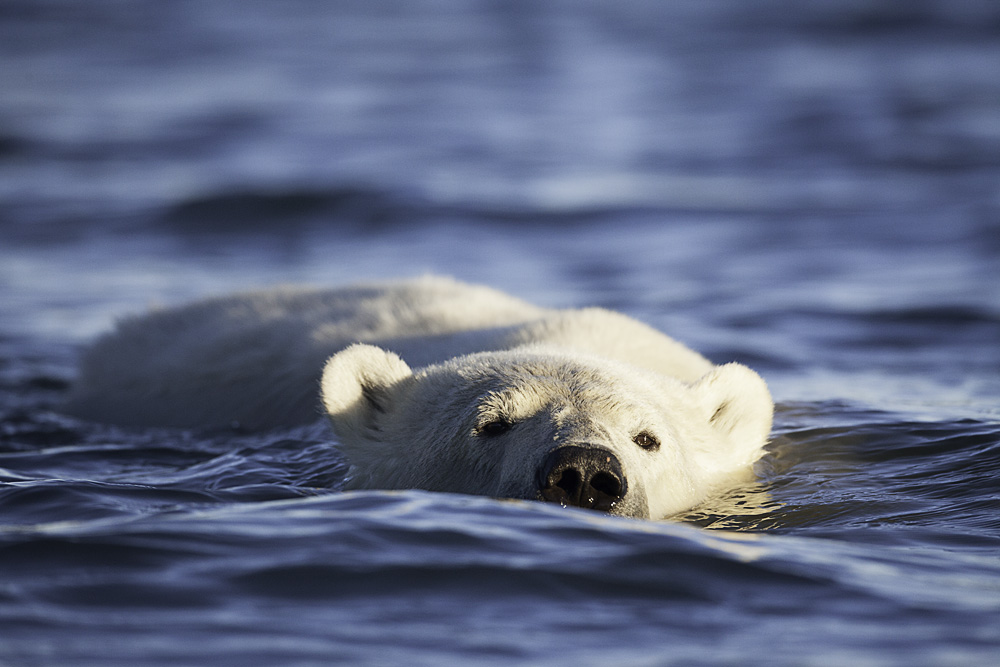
{"points": [[496, 427], [647, 441]]}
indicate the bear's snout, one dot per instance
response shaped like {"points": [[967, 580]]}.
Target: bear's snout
{"points": [[588, 477]]}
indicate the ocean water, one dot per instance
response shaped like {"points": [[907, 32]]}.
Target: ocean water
{"points": [[812, 189]]}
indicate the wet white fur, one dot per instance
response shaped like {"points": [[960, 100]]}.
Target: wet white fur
{"points": [[590, 375]]}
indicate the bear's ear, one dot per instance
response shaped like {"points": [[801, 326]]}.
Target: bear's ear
{"points": [[357, 388], [736, 401]]}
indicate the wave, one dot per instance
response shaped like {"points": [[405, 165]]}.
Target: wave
{"points": [[388, 542], [243, 211], [193, 547], [359, 209]]}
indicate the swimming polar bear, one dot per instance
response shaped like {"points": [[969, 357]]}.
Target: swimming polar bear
{"points": [[444, 386]]}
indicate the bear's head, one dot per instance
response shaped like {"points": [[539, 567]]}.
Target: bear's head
{"points": [[537, 423]]}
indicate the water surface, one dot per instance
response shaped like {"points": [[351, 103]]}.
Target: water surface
{"points": [[810, 190]]}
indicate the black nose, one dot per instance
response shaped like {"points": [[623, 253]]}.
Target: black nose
{"points": [[589, 477]]}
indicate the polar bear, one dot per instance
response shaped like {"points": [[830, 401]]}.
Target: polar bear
{"points": [[444, 386]]}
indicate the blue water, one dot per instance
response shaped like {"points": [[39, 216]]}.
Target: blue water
{"points": [[812, 189]]}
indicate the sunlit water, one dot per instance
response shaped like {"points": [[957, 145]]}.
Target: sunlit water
{"points": [[810, 191]]}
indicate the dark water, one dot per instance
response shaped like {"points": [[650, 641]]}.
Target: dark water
{"points": [[810, 188]]}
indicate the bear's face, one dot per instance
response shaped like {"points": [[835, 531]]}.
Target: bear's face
{"points": [[542, 424]]}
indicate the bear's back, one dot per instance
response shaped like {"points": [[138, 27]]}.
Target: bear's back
{"points": [[254, 358]]}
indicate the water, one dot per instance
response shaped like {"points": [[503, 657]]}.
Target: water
{"points": [[810, 189]]}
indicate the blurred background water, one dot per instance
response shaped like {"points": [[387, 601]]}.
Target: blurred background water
{"points": [[809, 188]]}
